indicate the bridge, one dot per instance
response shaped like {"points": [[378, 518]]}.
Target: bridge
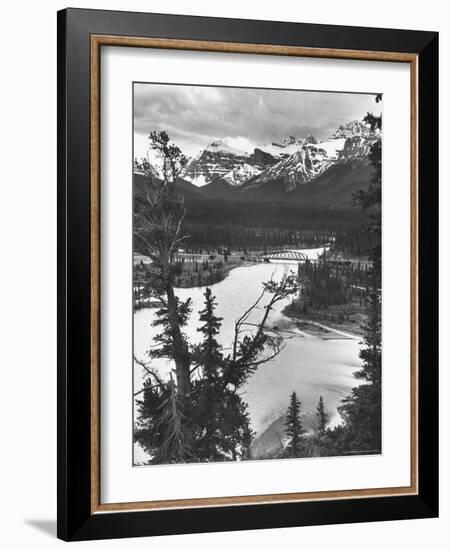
{"points": [[289, 255]]}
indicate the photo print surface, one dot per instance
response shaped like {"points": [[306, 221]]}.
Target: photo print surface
{"points": [[256, 274]]}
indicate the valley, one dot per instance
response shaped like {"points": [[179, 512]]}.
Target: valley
{"points": [[253, 276]]}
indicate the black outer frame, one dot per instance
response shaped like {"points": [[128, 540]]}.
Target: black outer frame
{"points": [[75, 521]]}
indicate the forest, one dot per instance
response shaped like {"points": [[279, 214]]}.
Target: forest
{"points": [[260, 224]]}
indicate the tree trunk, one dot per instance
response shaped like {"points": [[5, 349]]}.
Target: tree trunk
{"points": [[180, 353]]}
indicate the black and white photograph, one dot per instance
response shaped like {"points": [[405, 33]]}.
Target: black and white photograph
{"points": [[256, 274], [221, 298]]}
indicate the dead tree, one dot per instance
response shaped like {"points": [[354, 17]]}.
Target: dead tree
{"points": [[251, 339], [158, 230]]}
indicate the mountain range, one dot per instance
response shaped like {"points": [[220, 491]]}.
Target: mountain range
{"points": [[298, 169]]}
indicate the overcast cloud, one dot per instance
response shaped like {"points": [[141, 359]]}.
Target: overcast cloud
{"points": [[194, 116]]}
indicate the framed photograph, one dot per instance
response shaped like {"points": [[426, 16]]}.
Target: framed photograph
{"points": [[247, 274]]}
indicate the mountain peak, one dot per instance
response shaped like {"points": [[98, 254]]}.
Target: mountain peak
{"points": [[291, 161], [353, 128], [310, 139], [217, 143], [220, 145], [290, 140], [217, 160]]}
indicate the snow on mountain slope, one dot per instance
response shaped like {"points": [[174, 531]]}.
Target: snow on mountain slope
{"points": [[300, 167], [241, 173], [356, 147], [332, 147], [287, 147], [354, 128], [221, 146], [218, 160], [198, 180], [287, 164], [349, 142]]}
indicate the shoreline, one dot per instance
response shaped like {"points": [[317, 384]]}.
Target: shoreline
{"points": [[224, 271], [319, 324]]}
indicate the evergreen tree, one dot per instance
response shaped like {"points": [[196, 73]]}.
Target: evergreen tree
{"points": [[237, 435], [209, 348], [208, 391], [165, 339], [370, 198], [176, 444], [361, 410], [322, 417], [220, 416], [149, 432], [294, 428], [161, 424]]}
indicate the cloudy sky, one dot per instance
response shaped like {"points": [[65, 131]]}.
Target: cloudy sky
{"points": [[194, 116]]}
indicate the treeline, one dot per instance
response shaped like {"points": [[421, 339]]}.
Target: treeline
{"points": [[242, 236], [350, 241], [324, 284], [197, 273], [348, 438], [238, 224], [185, 275], [270, 214], [320, 441], [355, 241]]}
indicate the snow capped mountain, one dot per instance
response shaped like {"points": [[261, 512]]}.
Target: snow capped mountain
{"points": [[354, 128], [221, 146], [286, 147], [356, 147], [217, 160], [283, 165], [332, 147], [300, 167], [311, 158], [241, 173], [262, 158]]}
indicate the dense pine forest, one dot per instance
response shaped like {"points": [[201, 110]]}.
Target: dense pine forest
{"points": [[262, 225]]}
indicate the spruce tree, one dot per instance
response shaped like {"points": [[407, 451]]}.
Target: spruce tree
{"points": [[162, 428], [165, 339], [361, 410], [208, 394], [148, 431], [294, 428], [220, 418], [176, 443], [209, 348], [322, 417]]}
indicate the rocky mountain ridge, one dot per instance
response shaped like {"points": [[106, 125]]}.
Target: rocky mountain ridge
{"points": [[291, 162]]}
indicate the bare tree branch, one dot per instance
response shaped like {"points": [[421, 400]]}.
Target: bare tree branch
{"points": [[149, 371]]}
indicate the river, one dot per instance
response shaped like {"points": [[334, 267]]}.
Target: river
{"points": [[309, 364]]}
